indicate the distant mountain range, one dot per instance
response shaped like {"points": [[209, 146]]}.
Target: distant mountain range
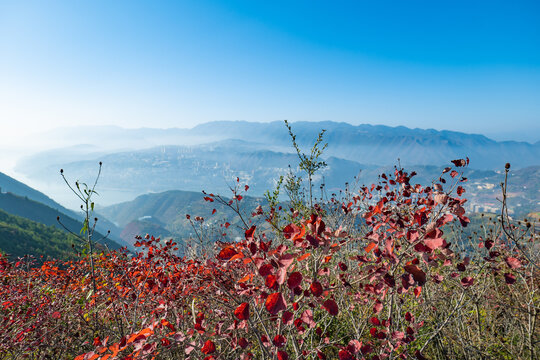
{"points": [[366, 144], [355, 154], [210, 156]]}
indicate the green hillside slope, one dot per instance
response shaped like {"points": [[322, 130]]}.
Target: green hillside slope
{"points": [[20, 236], [43, 214], [11, 185]]}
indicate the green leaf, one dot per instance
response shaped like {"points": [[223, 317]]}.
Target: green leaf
{"points": [[85, 227]]}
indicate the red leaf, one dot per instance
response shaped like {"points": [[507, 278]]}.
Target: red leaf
{"points": [[460, 190], [287, 317], [378, 207], [266, 270], [214, 211], [56, 315], [249, 232], [115, 349], [509, 278], [279, 340], [165, 342], [227, 253], [282, 355], [242, 311], [513, 263], [433, 244], [271, 282], [290, 230], [307, 318], [316, 288], [408, 316], [167, 324], [227, 225], [444, 220], [263, 246], [370, 247], [441, 198], [467, 281], [459, 162], [208, 347], [295, 279], [275, 303], [345, 355], [246, 278], [243, 343], [281, 275], [286, 260], [303, 257], [299, 235], [377, 307], [331, 306], [418, 275]]}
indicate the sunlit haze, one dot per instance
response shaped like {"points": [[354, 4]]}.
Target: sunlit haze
{"points": [[465, 66]]}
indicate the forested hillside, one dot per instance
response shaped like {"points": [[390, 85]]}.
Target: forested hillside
{"points": [[15, 187], [37, 212], [165, 214], [20, 236]]}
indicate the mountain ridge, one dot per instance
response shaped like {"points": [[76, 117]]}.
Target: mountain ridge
{"points": [[209, 155], [381, 144]]}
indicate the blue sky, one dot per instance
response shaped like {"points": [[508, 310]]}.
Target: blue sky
{"points": [[471, 66]]}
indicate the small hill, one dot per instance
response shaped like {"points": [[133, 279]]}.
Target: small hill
{"points": [[43, 214], [20, 236], [166, 211], [9, 184], [13, 186]]}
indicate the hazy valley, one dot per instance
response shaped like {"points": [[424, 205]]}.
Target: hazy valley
{"points": [[152, 178]]}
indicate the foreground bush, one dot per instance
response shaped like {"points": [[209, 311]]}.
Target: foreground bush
{"points": [[370, 275]]}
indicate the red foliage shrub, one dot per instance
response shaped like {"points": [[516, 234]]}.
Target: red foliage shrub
{"points": [[375, 280]]}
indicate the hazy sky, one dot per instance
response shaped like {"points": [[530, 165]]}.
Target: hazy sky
{"points": [[471, 66]]}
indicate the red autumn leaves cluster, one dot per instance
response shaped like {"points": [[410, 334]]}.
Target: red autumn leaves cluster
{"points": [[305, 290], [242, 311]]}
